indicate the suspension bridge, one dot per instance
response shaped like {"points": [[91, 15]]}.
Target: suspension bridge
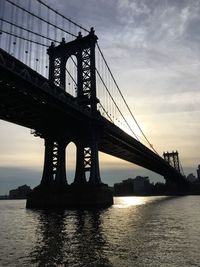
{"points": [[56, 81]]}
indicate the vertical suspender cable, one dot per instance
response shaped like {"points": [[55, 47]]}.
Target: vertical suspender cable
{"points": [[39, 57], [31, 44], [125, 101], [70, 21], [23, 45], [27, 48], [1, 22], [10, 30], [17, 42], [47, 28], [56, 23], [14, 38]]}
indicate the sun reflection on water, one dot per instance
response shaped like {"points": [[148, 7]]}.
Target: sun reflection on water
{"points": [[125, 202]]}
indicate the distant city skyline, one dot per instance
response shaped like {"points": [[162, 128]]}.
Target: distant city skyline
{"points": [[153, 50]]}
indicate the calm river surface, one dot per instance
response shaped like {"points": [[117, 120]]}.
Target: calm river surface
{"points": [[136, 231]]}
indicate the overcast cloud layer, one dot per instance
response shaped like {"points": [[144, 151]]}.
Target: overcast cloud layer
{"points": [[153, 49]]}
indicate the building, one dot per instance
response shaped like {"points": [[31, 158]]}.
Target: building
{"points": [[191, 178], [20, 193], [125, 188], [4, 197], [141, 185], [137, 186]]}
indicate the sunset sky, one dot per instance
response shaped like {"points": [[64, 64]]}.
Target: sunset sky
{"points": [[153, 49]]}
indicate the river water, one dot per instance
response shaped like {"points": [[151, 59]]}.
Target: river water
{"points": [[135, 231]]}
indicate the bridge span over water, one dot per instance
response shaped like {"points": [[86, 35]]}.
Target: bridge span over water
{"points": [[29, 99]]}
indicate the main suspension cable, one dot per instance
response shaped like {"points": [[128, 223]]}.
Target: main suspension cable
{"points": [[69, 20], [22, 28], [23, 38], [34, 15], [116, 104], [125, 100], [79, 26]]}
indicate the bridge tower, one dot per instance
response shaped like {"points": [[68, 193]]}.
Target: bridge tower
{"points": [[83, 48], [176, 184], [173, 159], [91, 192]]}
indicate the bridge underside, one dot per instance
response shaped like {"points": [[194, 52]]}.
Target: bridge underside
{"points": [[28, 105], [29, 100]]}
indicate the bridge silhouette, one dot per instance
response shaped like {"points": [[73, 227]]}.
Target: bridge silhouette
{"points": [[70, 96]]}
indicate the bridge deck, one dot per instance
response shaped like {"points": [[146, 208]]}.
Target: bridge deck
{"points": [[28, 99]]}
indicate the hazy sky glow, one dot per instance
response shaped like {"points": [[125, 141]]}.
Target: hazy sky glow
{"points": [[153, 49]]}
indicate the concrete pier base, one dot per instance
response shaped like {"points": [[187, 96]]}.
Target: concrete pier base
{"points": [[71, 196]]}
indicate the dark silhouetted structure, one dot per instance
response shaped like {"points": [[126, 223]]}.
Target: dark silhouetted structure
{"points": [[20, 193], [191, 178], [4, 197], [81, 192], [141, 186], [173, 159], [125, 188], [45, 106], [198, 173], [133, 186]]}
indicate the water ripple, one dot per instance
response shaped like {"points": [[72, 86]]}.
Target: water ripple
{"points": [[136, 231]]}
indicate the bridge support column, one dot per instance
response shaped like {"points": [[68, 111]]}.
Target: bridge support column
{"points": [[47, 177], [60, 177], [54, 163], [94, 171], [80, 166], [81, 193], [87, 159]]}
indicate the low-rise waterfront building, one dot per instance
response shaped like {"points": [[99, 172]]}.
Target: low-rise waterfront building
{"points": [[20, 193], [133, 186], [191, 178]]}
